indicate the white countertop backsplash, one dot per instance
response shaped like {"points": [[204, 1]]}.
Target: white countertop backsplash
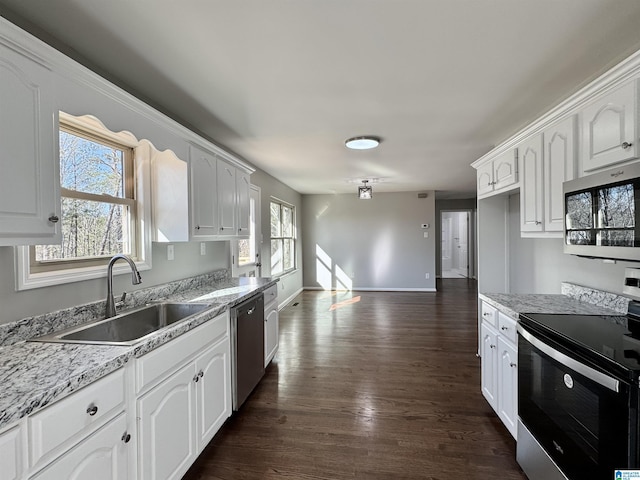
{"points": [[34, 374]]}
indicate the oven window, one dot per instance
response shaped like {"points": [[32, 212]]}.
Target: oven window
{"points": [[582, 425]]}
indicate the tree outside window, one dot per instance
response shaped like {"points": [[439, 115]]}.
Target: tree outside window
{"points": [[282, 237]]}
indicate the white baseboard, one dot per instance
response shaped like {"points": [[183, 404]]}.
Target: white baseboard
{"points": [[377, 289], [287, 301]]}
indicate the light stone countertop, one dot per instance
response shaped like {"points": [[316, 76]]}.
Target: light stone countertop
{"points": [[34, 374], [513, 304]]}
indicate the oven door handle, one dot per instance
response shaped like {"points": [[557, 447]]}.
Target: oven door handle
{"points": [[592, 374]]}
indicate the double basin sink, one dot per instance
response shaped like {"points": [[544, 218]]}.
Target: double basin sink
{"points": [[127, 328]]}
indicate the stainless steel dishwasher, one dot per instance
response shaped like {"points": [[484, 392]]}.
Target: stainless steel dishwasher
{"points": [[247, 344]]}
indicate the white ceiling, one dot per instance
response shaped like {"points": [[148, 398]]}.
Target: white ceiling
{"points": [[284, 82]]}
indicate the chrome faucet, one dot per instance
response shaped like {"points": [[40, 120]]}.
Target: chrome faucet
{"points": [[136, 279]]}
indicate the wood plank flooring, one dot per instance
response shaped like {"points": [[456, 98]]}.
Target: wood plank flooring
{"points": [[369, 385]]}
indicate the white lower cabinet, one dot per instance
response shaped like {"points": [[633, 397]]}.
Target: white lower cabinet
{"points": [[499, 370], [102, 456], [166, 427], [11, 457], [184, 409], [271, 324]]}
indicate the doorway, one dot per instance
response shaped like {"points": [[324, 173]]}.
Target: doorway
{"points": [[455, 259], [245, 260]]}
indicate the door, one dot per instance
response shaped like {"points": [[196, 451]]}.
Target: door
{"points": [[226, 177], [246, 252], [531, 219], [166, 422], [508, 385], [489, 367], [463, 243], [204, 203]]}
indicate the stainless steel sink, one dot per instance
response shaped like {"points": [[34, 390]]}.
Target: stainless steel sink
{"points": [[127, 328]]}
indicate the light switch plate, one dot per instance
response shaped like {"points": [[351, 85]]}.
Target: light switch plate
{"points": [[203, 248], [170, 253]]}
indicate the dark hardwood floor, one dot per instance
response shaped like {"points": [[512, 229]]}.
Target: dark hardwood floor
{"points": [[369, 386]]}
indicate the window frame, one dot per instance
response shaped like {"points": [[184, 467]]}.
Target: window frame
{"points": [[292, 237], [76, 270]]}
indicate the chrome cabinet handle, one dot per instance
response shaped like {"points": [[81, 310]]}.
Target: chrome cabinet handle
{"points": [[126, 437], [513, 365], [250, 311], [92, 410], [197, 227], [486, 314], [54, 219], [492, 346], [196, 378], [201, 374], [626, 145], [504, 328], [538, 222]]}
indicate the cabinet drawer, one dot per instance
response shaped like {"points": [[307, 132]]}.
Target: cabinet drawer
{"points": [[271, 294], [489, 314], [507, 326], [76, 416], [155, 365]]}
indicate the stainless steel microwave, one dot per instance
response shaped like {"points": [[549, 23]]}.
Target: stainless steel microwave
{"points": [[602, 214]]}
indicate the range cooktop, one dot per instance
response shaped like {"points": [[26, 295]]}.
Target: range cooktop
{"points": [[610, 343]]}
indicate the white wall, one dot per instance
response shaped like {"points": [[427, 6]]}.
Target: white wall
{"points": [[369, 244], [538, 265]]}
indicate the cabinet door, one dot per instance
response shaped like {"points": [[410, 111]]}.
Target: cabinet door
{"points": [[531, 210], [505, 169], [271, 331], [243, 195], [508, 385], [609, 129], [204, 204], [30, 180], [213, 391], [485, 178], [166, 427], [102, 456], [226, 198], [489, 374], [11, 459], [559, 167]]}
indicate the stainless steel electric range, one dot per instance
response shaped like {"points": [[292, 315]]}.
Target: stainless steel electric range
{"points": [[578, 395]]}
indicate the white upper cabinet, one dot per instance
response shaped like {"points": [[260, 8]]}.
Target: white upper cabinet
{"points": [[226, 199], [559, 159], [531, 212], [30, 181], [203, 198], [243, 195], [609, 129], [498, 174]]}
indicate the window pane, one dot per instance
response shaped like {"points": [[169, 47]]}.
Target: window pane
{"points": [[90, 229], [579, 211], [287, 222], [616, 238], [288, 254], [87, 166], [580, 237], [244, 252], [276, 257], [616, 207], [275, 219]]}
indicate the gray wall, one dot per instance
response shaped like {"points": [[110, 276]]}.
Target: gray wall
{"points": [[460, 204], [538, 265], [373, 244], [188, 262], [290, 284]]}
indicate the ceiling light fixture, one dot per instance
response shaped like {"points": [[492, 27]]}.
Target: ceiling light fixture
{"points": [[362, 143], [365, 192]]}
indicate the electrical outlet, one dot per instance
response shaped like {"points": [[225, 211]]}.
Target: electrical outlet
{"points": [[170, 253], [203, 248], [426, 276]]}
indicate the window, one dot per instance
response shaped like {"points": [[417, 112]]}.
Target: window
{"points": [[100, 214], [98, 205], [283, 246]]}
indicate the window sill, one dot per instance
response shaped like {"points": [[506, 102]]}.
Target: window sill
{"points": [[25, 280], [285, 274]]}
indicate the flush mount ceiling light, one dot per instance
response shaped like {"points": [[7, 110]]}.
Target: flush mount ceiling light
{"points": [[365, 192], [362, 143]]}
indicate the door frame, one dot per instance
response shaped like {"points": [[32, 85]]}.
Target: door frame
{"points": [[471, 243]]}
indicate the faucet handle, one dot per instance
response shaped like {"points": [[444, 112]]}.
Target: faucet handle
{"points": [[120, 303]]}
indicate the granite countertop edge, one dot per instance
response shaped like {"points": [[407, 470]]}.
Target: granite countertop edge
{"points": [[35, 374], [513, 304]]}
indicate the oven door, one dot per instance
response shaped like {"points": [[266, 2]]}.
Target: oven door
{"points": [[577, 414]]}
